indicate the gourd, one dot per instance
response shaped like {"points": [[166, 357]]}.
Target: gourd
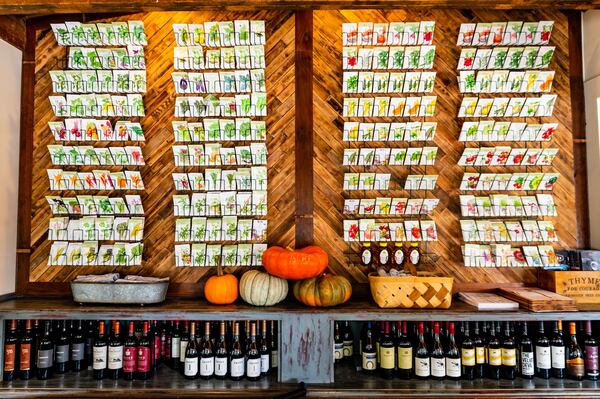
{"points": [[295, 264], [323, 291], [221, 289], [262, 289]]}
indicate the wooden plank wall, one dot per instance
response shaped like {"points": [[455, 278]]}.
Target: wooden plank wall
{"points": [[159, 101], [328, 123]]}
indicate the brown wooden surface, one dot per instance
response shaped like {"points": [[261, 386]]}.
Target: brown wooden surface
{"points": [[446, 255], [12, 30], [159, 102], [75, 6], [582, 286]]}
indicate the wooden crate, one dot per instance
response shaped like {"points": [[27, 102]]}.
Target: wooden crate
{"points": [[583, 286]]}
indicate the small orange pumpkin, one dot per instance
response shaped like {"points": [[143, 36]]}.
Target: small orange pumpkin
{"points": [[295, 264], [221, 289], [326, 290]]}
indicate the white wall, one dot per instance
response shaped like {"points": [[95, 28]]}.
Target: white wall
{"points": [[10, 106]]}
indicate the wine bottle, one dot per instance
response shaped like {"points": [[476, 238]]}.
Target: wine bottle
{"points": [[467, 353], [592, 368], [274, 346], [130, 353], [575, 363], [494, 354], [154, 334], [264, 350], [236, 361], [45, 354], [115, 352], [175, 346], [191, 355], [453, 356], [438, 357], [422, 368], [89, 344], [526, 354], [183, 343], [509, 354], [369, 351], [338, 344], [348, 338], [557, 351], [144, 355], [405, 353], [543, 358], [164, 332], [253, 357], [479, 342], [10, 352], [387, 353], [61, 349], [78, 348], [36, 333], [100, 353], [221, 354], [26, 345], [207, 356]]}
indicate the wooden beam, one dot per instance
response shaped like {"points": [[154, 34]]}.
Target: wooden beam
{"points": [[94, 6], [44, 21], [304, 128], [578, 121], [12, 30], [25, 161]]}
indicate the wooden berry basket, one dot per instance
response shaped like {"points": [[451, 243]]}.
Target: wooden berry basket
{"points": [[425, 290]]}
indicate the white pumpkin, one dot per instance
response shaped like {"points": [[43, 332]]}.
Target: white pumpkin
{"points": [[262, 289]]}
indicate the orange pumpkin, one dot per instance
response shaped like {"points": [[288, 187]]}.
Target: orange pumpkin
{"points": [[221, 289], [326, 290], [297, 264]]}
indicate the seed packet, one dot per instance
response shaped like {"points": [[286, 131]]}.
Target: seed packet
{"points": [[350, 157], [349, 34], [198, 205], [413, 57], [229, 228], [257, 253], [259, 230], [195, 181], [228, 203], [547, 255], [511, 35], [467, 58], [213, 203], [382, 156], [411, 33], [532, 256], [136, 228], [259, 177], [183, 255], [244, 230], [213, 255], [366, 181], [466, 34]]}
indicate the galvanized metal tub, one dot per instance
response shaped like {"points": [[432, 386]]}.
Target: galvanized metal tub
{"points": [[119, 293]]}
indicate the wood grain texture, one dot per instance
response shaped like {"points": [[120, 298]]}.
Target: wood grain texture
{"points": [[159, 102], [12, 30], [446, 254]]}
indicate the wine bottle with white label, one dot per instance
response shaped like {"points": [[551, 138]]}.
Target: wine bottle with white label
{"points": [[348, 338], [221, 355], [183, 343], [526, 354], [175, 346], [422, 368], [338, 344], [253, 356], [543, 359], [207, 356], [557, 351], [438, 357], [369, 351], [264, 350], [236, 357], [453, 356], [100, 353], [190, 369], [467, 354], [115, 352]]}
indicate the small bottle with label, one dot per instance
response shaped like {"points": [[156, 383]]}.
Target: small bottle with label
{"points": [[366, 255], [397, 257], [414, 257], [383, 258]]}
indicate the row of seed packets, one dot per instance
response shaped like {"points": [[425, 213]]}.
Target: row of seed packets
{"points": [[130, 57], [226, 228], [118, 33], [240, 57], [513, 33], [513, 230], [90, 81], [215, 154], [254, 104], [95, 180], [95, 205], [386, 131], [96, 228], [410, 230], [390, 206], [501, 205], [198, 255], [221, 203], [238, 129], [415, 57], [506, 131], [386, 82], [498, 107], [389, 156], [88, 155], [241, 179], [507, 156], [381, 181], [220, 33], [97, 105], [95, 130], [239, 81], [537, 57], [509, 181], [396, 107], [503, 81], [89, 253], [393, 33], [503, 255]]}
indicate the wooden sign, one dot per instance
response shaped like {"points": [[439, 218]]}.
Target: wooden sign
{"points": [[582, 286]]}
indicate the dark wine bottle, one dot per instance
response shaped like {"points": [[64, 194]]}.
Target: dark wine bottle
{"points": [[274, 346], [10, 352], [467, 354], [575, 363], [175, 346], [45, 355], [115, 352], [387, 353], [494, 354], [479, 341], [592, 368], [453, 356], [191, 355], [509, 354], [543, 358], [348, 338], [207, 355], [422, 368], [405, 353], [89, 344], [264, 350], [61, 349], [526, 354], [26, 346], [236, 361], [253, 357], [154, 335], [78, 348], [130, 353], [221, 354], [184, 340], [144, 354], [438, 357], [557, 351], [338, 344], [369, 351], [100, 353]]}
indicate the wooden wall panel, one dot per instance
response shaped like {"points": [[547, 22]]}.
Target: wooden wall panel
{"points": [[159, 102], [328, 123]]}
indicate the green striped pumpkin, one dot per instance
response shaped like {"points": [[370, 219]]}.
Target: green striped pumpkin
{"points": [[262, 289]]}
